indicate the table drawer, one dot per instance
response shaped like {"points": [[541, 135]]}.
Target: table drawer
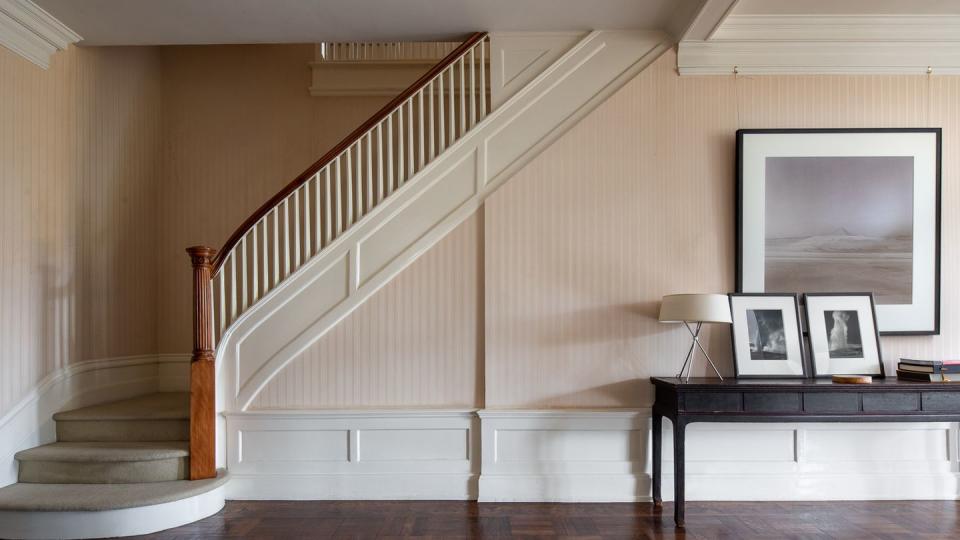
{"points": [[891, 402], [713, 402], [761, 402], [941, 401], [831, 402]]}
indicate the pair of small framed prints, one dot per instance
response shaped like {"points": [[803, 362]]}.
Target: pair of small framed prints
{"points": [[768, 335]]}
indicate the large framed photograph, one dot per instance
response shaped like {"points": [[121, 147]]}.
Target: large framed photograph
{"points": [[843, 334], [766, 335], [836, 210]]}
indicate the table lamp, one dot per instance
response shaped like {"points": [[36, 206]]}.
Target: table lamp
{"points": [[699, 309]]}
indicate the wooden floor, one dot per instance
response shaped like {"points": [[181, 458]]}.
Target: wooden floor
{"points": [[426, 519]]}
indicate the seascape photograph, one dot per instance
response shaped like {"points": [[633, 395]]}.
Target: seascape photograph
{"points": [[823, 232]]}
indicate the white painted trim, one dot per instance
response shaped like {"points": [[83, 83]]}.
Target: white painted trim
{"points": [[906, 28], [364, 454], [708, 19], [30, 422], [795, 57], [31, 32], [112, 523], [603, 455]]}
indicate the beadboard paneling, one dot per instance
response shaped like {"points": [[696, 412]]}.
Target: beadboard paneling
{"points": [[637, 201], [414, 343], [79, 155]]}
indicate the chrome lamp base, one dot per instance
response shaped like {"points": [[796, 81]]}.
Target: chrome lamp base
{"points": [[694, 345]]}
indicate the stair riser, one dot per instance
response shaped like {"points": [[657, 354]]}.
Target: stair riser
{"points": [[120, 472], [122, 430]]}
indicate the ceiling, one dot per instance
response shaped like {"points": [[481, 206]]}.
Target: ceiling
{"points": [[169, 22]]}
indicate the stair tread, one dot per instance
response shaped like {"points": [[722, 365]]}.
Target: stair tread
{"points": [[99, 497], [106, 452], [158, 406]]}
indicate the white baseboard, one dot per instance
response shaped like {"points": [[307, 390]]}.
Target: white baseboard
{"points": [[30, 422], [407, 454], [603, 455]]}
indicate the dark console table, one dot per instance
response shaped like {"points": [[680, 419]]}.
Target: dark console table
{"points": [[787, 400]]}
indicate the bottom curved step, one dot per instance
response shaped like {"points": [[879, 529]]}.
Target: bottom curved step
{"points": [[31, 511]]}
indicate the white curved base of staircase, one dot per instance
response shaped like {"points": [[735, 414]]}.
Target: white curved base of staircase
{"points": [[111, 523]]}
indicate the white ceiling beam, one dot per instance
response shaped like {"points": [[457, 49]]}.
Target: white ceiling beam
{"points": [[702, 22], [31, 32], [810, 57]]}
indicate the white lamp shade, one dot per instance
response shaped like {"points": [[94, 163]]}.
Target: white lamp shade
{"points": [[708, 308]]}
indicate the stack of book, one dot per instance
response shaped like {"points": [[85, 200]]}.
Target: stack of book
{"points": [[929, 370]]}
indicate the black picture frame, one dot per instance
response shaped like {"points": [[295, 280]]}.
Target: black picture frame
{"points": [[876, 334], [733, 338], [739, 195]]}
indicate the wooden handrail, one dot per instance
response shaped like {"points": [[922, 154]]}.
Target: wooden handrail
{"points": [[347, 141]]}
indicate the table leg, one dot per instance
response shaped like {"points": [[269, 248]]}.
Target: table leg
{"points": [[679, 435], [657, 444]]}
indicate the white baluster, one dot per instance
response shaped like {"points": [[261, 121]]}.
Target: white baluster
{"points": [[483, 79], [473, 87], [266, 257], [286, 237], [307, 220], [381, 179], [359, 187], [296, 229], [369, 199], [317, 213], [410, 144], [440, 123], [243, 273], [452, 104], [233, 285], [430, 94], [339, 205], [223, 299], [390, 154], [276, 246], [422, 152], [255, 260], [463, 98], [349, 167]]}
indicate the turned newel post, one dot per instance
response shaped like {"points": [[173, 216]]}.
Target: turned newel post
{"points": [[203, 463]]}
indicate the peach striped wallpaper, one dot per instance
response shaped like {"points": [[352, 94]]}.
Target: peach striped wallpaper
{"points": [[79, 154], [636, 201], [414, 343]]}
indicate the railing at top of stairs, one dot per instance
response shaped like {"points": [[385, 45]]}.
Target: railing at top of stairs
{"points": [[317, 207]]}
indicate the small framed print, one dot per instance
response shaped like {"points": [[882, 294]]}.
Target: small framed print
{"points": [[766, 335], [843, 334]]}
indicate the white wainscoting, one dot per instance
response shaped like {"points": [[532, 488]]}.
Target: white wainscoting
{"points": [[390, 454], [603, 455]]}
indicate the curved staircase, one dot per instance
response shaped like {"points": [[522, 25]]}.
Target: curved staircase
{"points": [[117, 468]]}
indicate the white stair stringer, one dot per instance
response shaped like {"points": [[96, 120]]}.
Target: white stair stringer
{"points": [[447, 191]]}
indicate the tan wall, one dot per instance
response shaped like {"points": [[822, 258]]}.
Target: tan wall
{"points": [[79, 155], [240, 124], [636, 201]]}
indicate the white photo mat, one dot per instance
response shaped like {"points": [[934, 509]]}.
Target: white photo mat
{"points": [[920, 316], [787, 304], [869, 363]]}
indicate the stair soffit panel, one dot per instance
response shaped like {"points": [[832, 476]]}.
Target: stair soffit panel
{"points": [[269, 335]]}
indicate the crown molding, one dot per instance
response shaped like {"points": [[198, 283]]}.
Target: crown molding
{"points": [[31, 32], [795, 57], [908, 28]]}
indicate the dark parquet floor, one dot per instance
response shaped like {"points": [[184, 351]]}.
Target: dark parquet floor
{"points": [[705, 520]]}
